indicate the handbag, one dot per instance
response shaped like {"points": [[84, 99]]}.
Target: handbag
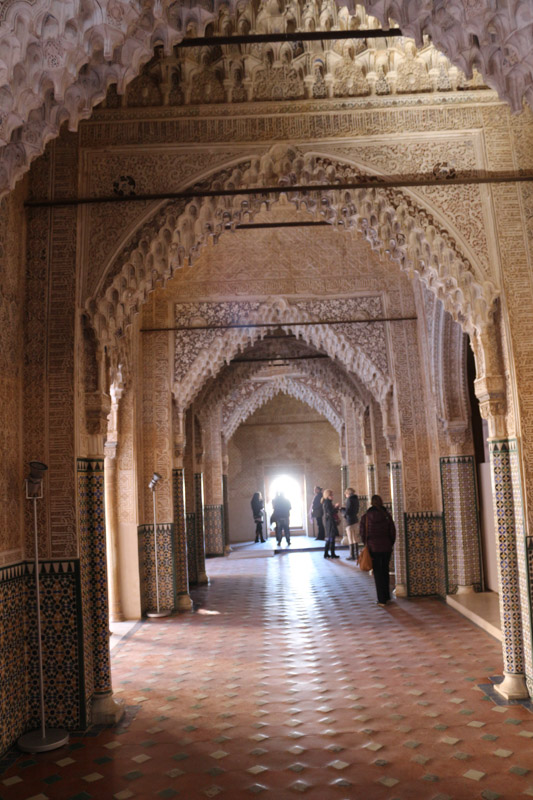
{"points": [[365, 560]]}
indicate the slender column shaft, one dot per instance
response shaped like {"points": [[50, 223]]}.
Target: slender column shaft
{"points": [[111, 519], [400, 562], [508, 510]]}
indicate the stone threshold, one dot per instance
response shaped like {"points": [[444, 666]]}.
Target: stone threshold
{"points": [[481, 608]]}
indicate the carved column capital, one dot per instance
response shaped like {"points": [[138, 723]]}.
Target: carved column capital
{"points": [[491, 392], [110, 451], [97, 409]]}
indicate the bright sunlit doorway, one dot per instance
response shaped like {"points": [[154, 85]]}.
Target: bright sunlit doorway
{"points": [[293, 488]]}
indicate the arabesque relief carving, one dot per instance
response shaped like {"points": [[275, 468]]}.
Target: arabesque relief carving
{"points": [[255, 394], [287, 71], [200, 354], [58, 60], [389, 219], [323, 385]]}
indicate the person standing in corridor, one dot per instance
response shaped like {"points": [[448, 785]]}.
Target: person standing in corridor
{"points": [[258, 505], [379, 534], [351, 517], [317, 512], [281, 512], [330, 514]]}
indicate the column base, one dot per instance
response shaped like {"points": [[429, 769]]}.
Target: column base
{"points": [[184, 602], [202, 578], [513, 686], [227, 550], [465, 589], [106, 709], [116, 617], [400, 590]]}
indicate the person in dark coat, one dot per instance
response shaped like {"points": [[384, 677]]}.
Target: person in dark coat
{"points": [[281, 511], [317, 512], [258, 505], [330, 515], [351, 517], [379, 534]]}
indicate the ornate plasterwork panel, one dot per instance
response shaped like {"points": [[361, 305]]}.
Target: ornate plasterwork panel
{"points": [[253, 395], [302, 120], [200, 354], [151, 173], [317, 382], [326, 375], [290, 71], [447, 353], [390, 220], [58, 59], [442, 155], [109, 234]]}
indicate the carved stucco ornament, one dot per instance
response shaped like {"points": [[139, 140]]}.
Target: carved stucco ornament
{"points": [[242, 390], [255, 394], [389, 219], [206, 354], [58, 59]]}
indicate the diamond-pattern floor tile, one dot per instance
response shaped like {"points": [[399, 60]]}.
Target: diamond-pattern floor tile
{"points": [[275, 696]]}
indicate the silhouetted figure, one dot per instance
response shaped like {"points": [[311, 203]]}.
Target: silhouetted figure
{"points": [[330, 517], [281, 511], [317, 512], [258, 505]]}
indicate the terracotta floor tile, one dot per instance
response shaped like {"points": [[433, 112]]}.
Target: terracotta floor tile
{"points": [[300, 686]]}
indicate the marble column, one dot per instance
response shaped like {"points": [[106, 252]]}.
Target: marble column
{"points": [[181, 560], [225, 496], [200, 528], [400, 561], [371, 480], [354, 446], [213, 493], [111, 520], [181, 563], [379, 482], [344, 479], [190, 515]]}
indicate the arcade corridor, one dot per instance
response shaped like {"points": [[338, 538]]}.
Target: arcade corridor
{"points": [[288, 679]]}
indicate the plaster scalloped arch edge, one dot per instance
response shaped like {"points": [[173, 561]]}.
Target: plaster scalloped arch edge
{"points": [[281, 385], [499, 61], [153, 210], [323, 337], [328, 373], [151, 263]]}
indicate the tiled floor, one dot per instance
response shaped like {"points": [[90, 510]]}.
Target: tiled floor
{"points": [[298, 542], [288, 679]]}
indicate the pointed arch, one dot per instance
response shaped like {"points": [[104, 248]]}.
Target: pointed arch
{"points": [[202, 354], [260, 392], [390, 220]]}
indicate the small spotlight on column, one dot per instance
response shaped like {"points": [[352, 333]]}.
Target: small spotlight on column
{"points": [[156, 477]]}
